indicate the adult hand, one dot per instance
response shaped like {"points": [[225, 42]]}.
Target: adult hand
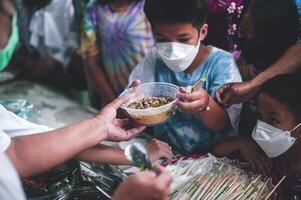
{"points": [[256, 158], [118, 129], [233, 93], [193, 103], [144, 186], [158, 149]]}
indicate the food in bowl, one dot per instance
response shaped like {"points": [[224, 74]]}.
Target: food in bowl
{"points": [[150, 120], [151, 103]]}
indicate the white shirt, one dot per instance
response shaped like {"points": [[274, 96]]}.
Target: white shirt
{"points": [[52, 30], [12, 126], [10, 184], [4, 141]]}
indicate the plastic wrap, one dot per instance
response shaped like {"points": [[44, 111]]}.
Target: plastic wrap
{"points": [[76, 180], [219, 179], [20, 107]]}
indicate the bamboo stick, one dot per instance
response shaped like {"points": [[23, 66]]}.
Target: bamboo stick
{"points": [[270, 194]]}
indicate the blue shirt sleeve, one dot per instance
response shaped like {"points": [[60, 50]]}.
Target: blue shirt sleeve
{"points": [[225, 71]]}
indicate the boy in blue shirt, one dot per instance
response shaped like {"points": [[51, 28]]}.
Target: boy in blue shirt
{"points": [[179, 57]]}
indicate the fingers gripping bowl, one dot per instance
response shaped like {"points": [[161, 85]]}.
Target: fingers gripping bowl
{"points": [[151, 103]]}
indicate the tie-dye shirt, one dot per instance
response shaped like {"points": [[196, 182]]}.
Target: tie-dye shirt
{"points": [[123, 38], [298, 4], [186, 133]]}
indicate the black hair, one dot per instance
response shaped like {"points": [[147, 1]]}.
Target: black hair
{"points": [[286, 90], [276, 23], [177, 11]]}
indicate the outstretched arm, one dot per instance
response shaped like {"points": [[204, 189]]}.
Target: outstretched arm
{"points": [[234, 93], [38, 153], [111, 155]]}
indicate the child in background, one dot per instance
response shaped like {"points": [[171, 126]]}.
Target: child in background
{"points": [[179, 57], [48, 40], [120, 36], [275, 147]]}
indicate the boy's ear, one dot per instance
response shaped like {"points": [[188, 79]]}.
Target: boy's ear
{"points": [[204, 32]]}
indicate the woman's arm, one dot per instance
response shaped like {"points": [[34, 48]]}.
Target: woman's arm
{"points": [[111, 155], [234, 93], [290, 62], [38, 153], [104, 154]]}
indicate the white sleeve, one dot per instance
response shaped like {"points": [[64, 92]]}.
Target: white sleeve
{"points": [[145, 70], [10, 184], [4, 141], [15, 126], [234, 115]]}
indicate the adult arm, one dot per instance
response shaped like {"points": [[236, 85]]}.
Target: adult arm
{"points": [[233, 93], [38, 153], [290, 62], [112, 155]]}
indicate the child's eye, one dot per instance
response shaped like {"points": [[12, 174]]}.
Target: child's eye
{"points": [[184, 40], [158, 40], [273, 121]]}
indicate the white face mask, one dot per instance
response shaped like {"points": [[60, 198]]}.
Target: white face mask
{"points": [[178, 56], [272, 140]]}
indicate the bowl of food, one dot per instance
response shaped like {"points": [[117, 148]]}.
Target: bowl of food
{"points": [[151, 103]]}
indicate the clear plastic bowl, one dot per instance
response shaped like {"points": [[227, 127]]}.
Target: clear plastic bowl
{"points": [[151, 116]]}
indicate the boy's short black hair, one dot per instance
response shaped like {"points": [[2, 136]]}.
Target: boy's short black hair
{"points": [[286, 90], [276, 23], [177, 11]]}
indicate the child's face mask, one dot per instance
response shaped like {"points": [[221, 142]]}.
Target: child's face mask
{"points": [[7, 52], [272, 140], [178, 56]]}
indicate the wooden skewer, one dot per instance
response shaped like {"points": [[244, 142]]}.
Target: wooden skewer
{"points": [[262, 189], [196, 87], [231, 187], [275, 188], [214, 187]]}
